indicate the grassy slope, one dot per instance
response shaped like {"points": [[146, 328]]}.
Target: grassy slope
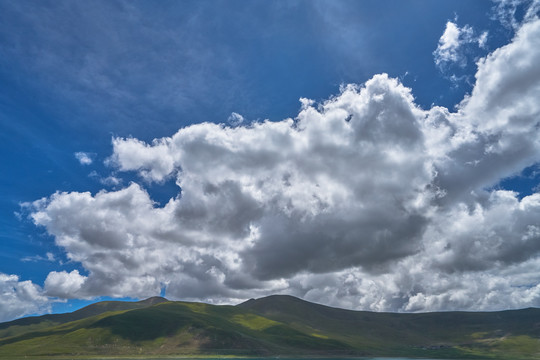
{"points": [[34, 323], [274, 325], [168, 328], [447, 334]]}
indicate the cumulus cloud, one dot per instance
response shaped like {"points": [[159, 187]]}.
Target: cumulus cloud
{"points": [[269, 200], [497, 125], [63, 284], [451, 49], [84, 157], [365, 200], [448, 44], [20, 298], [235, 119], [154, 162]]}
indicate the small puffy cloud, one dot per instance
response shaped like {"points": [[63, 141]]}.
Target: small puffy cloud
{"points": [[20, 298], [235, 119], [110, 181], [365, 201], [63, 284], [482, 39], [84, 158], [451, 49], [447, 50]]}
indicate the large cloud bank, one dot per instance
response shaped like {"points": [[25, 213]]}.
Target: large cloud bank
{"points": [[365, 201]]}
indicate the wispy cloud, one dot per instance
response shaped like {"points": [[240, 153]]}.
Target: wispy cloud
{"points": [[121, 66], [110, 180], [48, 257], [514, 13]]}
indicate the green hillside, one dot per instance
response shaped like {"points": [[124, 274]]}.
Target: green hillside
{"points": [[275, 325], [33, 323], [504, 334]]}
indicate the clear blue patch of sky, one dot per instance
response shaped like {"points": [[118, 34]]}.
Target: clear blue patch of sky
{"points": [[525, 183]]}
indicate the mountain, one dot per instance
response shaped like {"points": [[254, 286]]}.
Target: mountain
{"points": [[274, 325], [27, 324]]}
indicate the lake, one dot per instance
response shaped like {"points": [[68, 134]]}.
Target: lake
{"points": [[265, 358]]}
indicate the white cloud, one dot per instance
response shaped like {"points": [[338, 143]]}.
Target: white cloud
{"points": [[514, 13], [110, 180], [63, 284], [48, 257], [84, 157], [447, 50], [20, 298], [451, 49], [365, 201], [482, 39], [246, 191], [415, 286], [154, 162], [235, 119], [497, 125]]}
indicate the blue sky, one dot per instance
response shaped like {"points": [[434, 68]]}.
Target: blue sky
{"points": [[432, 154]]}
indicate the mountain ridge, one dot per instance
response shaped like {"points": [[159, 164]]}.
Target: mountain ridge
{"points": [[270, 326], [89, 310]]}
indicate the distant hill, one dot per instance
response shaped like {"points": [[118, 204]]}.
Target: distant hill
{"points": [[27, 324], [270, 326]]}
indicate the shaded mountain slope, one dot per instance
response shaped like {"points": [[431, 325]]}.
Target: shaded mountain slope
{"points": [[436, 325], [511, 331], [275, 325], [20, 326]]}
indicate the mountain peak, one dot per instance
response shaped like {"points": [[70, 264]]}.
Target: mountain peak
{"points": [[153, 300], [270, 298]]}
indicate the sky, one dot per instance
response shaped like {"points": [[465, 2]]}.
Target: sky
{"points": [[370, 155]]}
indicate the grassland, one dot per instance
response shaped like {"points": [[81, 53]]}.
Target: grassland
{"points": [[271, 326]]}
